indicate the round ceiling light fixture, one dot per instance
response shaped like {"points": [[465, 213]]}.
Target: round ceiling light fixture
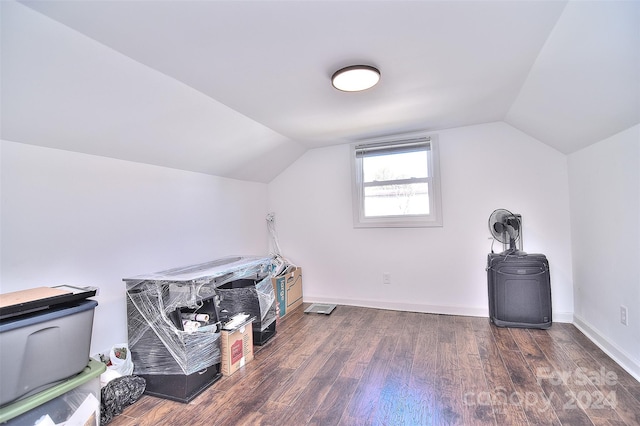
{"points": [[355, 78]]}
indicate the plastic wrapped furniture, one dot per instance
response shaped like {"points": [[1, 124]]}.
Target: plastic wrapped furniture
{"points": [[255, 297], [173, 348]]}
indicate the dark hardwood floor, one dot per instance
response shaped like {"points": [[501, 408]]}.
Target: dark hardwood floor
{"points": [[362, 366]]}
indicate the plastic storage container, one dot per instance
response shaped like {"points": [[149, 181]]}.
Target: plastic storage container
{"points": [[75, 401], [40, 349]]}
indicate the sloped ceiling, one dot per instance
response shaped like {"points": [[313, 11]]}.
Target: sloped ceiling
{"points": [[241, 88]]}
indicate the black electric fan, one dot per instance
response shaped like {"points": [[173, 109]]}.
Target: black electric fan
{"points": [[505, 227]]}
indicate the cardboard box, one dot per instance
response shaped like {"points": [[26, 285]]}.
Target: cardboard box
{"points": [[288, 289], [237, 348]]}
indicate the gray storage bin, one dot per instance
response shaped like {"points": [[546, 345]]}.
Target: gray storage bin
{"points": [[41, 349]]}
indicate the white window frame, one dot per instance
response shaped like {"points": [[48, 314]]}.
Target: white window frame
{"points": [[433, 219]]}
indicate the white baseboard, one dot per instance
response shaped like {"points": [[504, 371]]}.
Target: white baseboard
{"points": [[427, 309], [400, 306], [630, 365], [566, 317]]}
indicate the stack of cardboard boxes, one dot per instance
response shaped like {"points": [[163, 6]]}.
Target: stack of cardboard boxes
{"points": [[288, 289]]}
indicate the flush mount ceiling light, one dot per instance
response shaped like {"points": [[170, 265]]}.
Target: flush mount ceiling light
{"points": [[355, 78]]}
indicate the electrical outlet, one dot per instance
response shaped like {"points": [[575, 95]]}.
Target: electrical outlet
{"points": [[386, 278], [623, 315]]}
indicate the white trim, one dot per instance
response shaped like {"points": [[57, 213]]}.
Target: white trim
{"points": [[433, 220], [624, 360], [401, 306], [562, 317]]}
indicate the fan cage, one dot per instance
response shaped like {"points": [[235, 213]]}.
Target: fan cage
{"points": [[497, 216]]}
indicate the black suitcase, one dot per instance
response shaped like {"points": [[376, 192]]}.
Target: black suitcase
{"points": [[519, 290]]}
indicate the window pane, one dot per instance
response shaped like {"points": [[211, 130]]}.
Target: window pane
{"points": [[395, 166], [396, 200]]}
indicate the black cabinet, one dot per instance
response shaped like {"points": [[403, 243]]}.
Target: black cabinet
{"points": [[176, 364]]}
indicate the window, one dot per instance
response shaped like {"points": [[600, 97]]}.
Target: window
{"points": [[396, 182]]}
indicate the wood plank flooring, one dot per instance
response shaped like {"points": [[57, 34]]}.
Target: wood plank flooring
{"points": [[362, 366]]}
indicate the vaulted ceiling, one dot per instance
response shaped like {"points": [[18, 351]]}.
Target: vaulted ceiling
{"points": [[242, 88]]}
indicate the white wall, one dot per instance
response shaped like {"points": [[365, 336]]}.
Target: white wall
{"points": [[439, 270], [83, 220], [605, 218]]}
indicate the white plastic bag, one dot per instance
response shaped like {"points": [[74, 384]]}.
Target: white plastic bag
{"points": [[120, 357]]}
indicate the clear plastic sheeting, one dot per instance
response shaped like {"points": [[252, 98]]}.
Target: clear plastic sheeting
{"points": [[157, 302], [267, 299], [253, 297], [282, 265], [158, 343], [271, 226]]}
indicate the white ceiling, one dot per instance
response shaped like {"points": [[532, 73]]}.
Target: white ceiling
{"points": [[241, 88]]}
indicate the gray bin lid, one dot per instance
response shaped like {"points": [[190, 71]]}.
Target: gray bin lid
{"points": [[57, 311]]}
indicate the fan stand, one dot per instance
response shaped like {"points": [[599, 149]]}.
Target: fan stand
{"points": [[513, 249]]}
